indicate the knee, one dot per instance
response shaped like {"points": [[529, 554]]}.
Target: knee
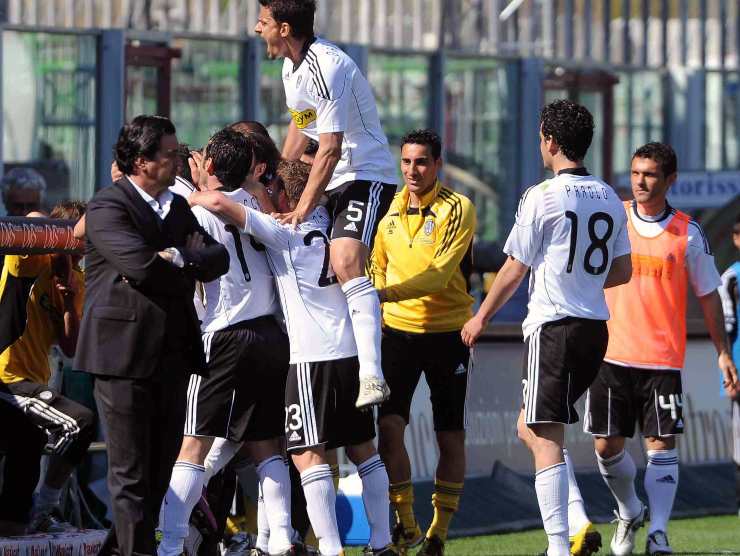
{"points": [[194, 449], [524, 433], [87, 424], [451, 443], [390, 438], [347, 262], [360, 453], [608, 447]]}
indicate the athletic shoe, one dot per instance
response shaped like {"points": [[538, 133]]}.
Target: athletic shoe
{"points": [[192, 541], [403, 540], [373, 391], [387, 551], [586, 542], [257, 552], [202, 517], [657, 543], [623, 541], [48, 520], [433, 546], [298, 549], [241, 544]]}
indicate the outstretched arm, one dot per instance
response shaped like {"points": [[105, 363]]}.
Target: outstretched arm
{"points": [[218, 203], [506, 282]]}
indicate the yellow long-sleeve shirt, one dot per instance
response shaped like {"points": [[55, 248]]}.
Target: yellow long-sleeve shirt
{"points": [[422, 260]]}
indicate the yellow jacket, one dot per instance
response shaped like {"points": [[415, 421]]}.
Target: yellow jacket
{"points": [[422, 259]]}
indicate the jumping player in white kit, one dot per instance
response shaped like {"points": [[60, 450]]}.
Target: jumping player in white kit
{"points": [[571, 231], [323, 382], [331, 102]]}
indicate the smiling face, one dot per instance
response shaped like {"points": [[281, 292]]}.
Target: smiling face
{"points": [[419, 168], [272, 32], [649, 185]]}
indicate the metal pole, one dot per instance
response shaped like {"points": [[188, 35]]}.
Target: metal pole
{"points": [[569, 32], [530, 94], [645, 8], [249, 77], [703, 32], [110, 106], [607, 20], [664, 32], [436, 107], [626, 47], [684, 31], [588, 22]]}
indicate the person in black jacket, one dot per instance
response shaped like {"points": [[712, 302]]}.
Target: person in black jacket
{"points": [[140, 335]]}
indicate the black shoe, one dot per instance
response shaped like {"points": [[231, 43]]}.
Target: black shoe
{"points": [[432, 546], [387, 551]]}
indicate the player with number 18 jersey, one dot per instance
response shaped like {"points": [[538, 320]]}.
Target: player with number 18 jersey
{"points": [[568, 229]]}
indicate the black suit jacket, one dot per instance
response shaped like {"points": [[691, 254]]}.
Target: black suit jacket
{"points": [[139, 314]]}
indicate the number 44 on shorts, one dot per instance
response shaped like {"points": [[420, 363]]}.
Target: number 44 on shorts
{"points": [[671, 402]]}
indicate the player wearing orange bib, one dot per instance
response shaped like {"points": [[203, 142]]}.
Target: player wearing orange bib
{"points": [[640, 379]]}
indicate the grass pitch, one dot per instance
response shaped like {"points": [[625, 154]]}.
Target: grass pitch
{"points": [[708, 535]]}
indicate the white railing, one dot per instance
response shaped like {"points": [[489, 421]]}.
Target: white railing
{"points": [[569, 29]]}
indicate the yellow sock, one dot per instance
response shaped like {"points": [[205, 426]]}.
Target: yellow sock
{"points": [[446, 501], [335, 475], [402, 499]]}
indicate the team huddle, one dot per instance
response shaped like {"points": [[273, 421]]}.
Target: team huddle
{"points": [[243, 302]]}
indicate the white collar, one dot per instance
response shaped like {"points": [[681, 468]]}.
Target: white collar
{"points": [[160, 205]]}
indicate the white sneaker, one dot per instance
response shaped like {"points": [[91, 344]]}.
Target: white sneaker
{"points": [[373, 391], [657, 543], [623, 541]]}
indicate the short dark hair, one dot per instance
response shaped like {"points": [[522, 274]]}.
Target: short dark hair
{"points": [[570, 125], [312, 147], [296, 13], [183, 165], [68, 210], [736, 226], [427, 137], [141, 137], [293, 175], [661, 153], [249, 126], [264, 150], [231, 155]]}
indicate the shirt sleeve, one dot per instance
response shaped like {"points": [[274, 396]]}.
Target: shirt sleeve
{"points": [[703, 273], [378, 260], [525, 238], [456, 236], [332, 83], [728, 294], [265, 229]]}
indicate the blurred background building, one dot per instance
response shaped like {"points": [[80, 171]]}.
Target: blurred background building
{"points": [[476, 70]]}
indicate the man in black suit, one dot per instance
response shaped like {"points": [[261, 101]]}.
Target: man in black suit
{"points": [[139, 334]]}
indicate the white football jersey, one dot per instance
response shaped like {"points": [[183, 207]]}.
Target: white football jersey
{"points": [[568, 229], [327, 93], [314, 306], [247, 290]]}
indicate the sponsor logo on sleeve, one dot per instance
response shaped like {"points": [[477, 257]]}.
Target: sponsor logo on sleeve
{"points": [[303, 118]]}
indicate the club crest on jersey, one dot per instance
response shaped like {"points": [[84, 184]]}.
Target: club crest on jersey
{"points": [[428, 227], [303, 118]]}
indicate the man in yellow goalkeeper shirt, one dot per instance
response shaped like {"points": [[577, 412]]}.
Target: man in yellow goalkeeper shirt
{"points": [[420, 265]]}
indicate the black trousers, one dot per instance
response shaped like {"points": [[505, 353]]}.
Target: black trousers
{"points": [[143, 421], [21, 444]]}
